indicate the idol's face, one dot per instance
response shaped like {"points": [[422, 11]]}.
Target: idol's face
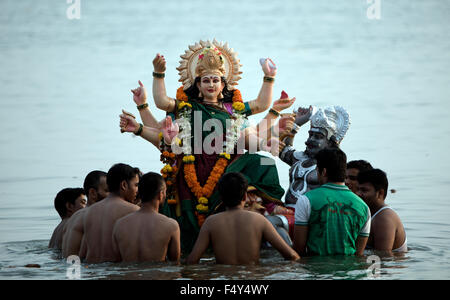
{"points": [[210, 86], [316, 141]]}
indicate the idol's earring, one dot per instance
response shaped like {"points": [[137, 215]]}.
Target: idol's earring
{"points": [[200, 94], [220, 95]]}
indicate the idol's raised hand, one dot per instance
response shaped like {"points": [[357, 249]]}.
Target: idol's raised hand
{"points": [[128, 122], [283, 103], [269, 67], [302, 115], [159, 63], [169, 130], [140, 94]]}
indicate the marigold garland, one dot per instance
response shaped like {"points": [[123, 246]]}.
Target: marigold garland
{"points": [[181, 95]]}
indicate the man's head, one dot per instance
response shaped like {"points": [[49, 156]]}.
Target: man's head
{"points": [[331, 165], [232, 188], [372, 187], [152, 187], [95, 187], [68, 201], [353, 169], [123, 181]]}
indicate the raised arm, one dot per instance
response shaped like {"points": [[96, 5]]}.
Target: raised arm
{"points": [[162, 101], [265, 134], [264, 99], [140, 98]]}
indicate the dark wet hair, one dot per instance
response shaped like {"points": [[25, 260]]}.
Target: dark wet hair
{"points": [[92, 180], [376, 177], [335, 161], [193, 91], [232, 188], [67, 195], [149, 186], [360, 165], [118, 173]]}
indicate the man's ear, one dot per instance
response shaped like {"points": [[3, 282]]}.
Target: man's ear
{"points": [[69, 208], [123, 185], [324, 172], [92, 195], [380, 194]]}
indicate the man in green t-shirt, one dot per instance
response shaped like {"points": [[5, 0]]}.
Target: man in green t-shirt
{"points": [[331, 219]]}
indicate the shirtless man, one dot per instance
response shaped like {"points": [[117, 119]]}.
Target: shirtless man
{"points": [[236, 234], [97, 246], [96, 189], [67, 202], [387, 233], [147, 235]]}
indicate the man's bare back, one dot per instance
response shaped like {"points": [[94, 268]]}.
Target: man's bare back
{"points": [[147, 236], [98, 226], [73, 233], [57, 237], [236, 237]]}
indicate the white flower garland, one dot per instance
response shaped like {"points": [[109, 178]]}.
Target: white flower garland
{"points": [[232, 135]]}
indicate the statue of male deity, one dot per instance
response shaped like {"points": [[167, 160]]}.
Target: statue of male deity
{"points": [[328, 127]]}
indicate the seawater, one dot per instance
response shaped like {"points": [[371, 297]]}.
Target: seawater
{"points": [[64, 82]]}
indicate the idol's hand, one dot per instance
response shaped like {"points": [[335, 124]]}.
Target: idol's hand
{"points": [[169, 130], [140, 94], [302, 115], [274, 145], [269, 68], [128, 122], [159, 63], [286, 123], [283, 103]]}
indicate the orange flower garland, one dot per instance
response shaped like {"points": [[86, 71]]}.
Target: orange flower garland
{"points": [[206, 191], [181, 95]]}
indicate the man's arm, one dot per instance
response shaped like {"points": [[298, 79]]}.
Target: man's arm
{"points": [[301, 229], [383, 232], [361, 242], [300, 239], [272, 236], [200, 246], [363, 237], [174, 249]]}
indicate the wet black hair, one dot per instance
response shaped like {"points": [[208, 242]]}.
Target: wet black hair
{"points": [[118, 173], [92, 180], [376, 177], [67, 195], [335, 161], [232, 188], [149, 186], [360, 165]]}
